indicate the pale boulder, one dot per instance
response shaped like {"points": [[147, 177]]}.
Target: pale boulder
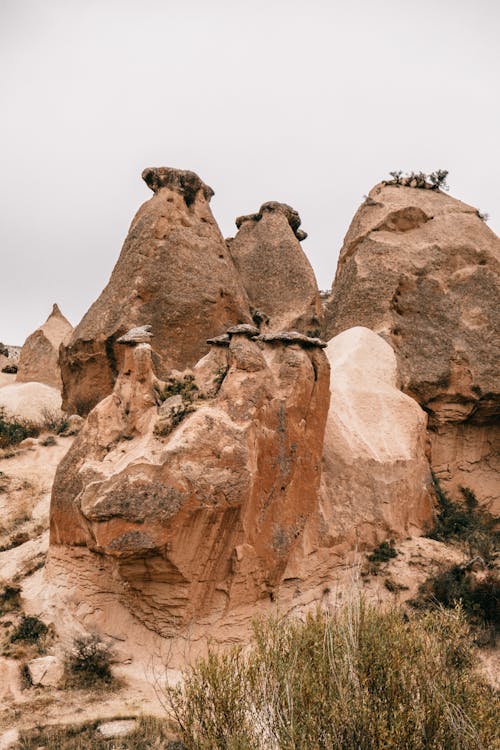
{"points": [[46, 671], [376, 478], [118, 728], [30, 401]]}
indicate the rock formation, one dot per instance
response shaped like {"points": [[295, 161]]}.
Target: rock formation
{"points": [[197, 503], [34, 402], [174, 272], [375, 478], [422, 269], [277, 276], [39, 358], [9, 359]]}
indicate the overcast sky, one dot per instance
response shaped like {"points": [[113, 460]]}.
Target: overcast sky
{"points": [[309, 102]]}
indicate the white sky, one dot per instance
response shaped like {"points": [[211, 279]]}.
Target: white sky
{"points": [[306, 102]]}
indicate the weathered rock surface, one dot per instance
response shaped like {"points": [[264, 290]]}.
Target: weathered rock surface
{"points": [[46, 671], [39, 358], [31, 401], [376, 480], [277, 275], [422, 269], [205, 517], [174, 272], [9, 358]]}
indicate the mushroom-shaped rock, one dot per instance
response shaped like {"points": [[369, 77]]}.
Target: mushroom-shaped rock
{"points": [[277, 276], [197, 521], [423, 270], [291, 337], [38, 361], [138, 335], [174, 273]]}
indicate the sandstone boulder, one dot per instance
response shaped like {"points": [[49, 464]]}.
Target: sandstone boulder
{"points": [[204, 516], [34, 402], [39, 358], [174, 272], [376, 480], [46, 671], [276, 273], [422, 269]]}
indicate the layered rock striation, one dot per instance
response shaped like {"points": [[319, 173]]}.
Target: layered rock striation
{"points": [[196, 491], [174, 272], [421, 269]]}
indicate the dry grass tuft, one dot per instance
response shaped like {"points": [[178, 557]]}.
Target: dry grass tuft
{"points": [[358, 678]]}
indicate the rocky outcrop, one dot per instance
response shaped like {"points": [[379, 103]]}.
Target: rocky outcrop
{"points": [[34, 402], [422, 269], [175, 273], [195, 491], [376, 480], [277, 275], [39, 358], [9, 359]]}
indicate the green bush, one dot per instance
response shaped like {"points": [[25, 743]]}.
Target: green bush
{"points": [[361, 679], [465, 521], [185, 387]]}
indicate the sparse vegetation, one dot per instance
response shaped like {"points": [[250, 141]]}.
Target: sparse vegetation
{"points": [[478, 595], [185, 387], [383, 553], [465, 521], [14, 430], [150, 734], [88, 664], [9, 597], [358, 678], [54, 421], [29, 630], [433, 181], [220, 374]]}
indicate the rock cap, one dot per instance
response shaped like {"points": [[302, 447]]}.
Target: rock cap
{"points": [[243, 329], [291, 215], [183, 181], [290, 337], [222, 340], [139, 335]]}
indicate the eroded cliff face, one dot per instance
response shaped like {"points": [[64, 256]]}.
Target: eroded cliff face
{"points": [[205, 517], [422, 269], [174, 272]]}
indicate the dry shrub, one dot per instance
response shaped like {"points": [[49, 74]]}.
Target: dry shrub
{"points": [[360, 678], [88, 664], [150, 734]]}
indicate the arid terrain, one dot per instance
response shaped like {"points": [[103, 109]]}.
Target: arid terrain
{"points": [[216, 441]]}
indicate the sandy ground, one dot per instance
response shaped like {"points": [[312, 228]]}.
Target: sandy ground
{"points": [[142, 658]]}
